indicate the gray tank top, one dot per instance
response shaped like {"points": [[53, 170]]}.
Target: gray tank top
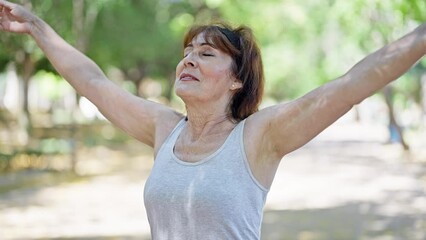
{"points": [[215, 198]]}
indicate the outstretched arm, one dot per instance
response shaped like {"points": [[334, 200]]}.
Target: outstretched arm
{"points": [[134, 115], [289, 126]]}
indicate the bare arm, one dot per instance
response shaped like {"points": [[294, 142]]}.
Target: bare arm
{"points": [[289, 126], [135, 115]]}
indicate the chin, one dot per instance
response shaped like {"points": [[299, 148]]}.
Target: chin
{"points": [[184, 92], [188, 95]]}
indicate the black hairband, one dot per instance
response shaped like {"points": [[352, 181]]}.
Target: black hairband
{"points": [[231, 36]]}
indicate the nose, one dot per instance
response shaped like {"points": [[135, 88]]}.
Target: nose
{"points": [[189, 61]]}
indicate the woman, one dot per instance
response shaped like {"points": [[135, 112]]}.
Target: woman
{"points": [[214, 166]]}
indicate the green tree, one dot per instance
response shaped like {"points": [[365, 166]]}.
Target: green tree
{"points": [[304, 44]]}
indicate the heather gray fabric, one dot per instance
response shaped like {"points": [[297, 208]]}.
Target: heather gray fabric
{"points": [[215, 198]]}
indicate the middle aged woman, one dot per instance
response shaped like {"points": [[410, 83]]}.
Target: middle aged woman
{"points": [[214, 166]]}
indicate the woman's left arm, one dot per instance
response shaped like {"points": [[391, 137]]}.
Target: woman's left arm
{"points": [[287, 126]]}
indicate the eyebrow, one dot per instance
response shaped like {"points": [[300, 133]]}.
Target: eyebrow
{"points": [[202, 44]]}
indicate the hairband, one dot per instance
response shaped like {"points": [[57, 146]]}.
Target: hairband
{"points": [[231, 36]]}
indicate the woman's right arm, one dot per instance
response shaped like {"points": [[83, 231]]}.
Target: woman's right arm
{"points": [[136, 116]]}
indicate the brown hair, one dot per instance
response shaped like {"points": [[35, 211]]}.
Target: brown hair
{"points": [[247, 66]]}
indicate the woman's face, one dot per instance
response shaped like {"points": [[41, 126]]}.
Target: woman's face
{"points": [[204, 73]]}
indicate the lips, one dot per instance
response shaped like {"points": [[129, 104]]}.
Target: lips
{"points": [[187, 77]]}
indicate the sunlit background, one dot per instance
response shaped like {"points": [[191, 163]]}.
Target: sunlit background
{"points": [[66, 173]]}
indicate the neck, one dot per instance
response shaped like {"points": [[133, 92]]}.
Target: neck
{"points": [[201, 124]]}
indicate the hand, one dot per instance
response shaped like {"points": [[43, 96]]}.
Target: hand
{"points": [[15, 18]]}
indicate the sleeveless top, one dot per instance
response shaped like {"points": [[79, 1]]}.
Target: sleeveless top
{"points": [[214, 198]]}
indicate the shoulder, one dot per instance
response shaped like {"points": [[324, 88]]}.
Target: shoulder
{"points": [[167, 120], [262, 121], [256, 133], [262, 130]]}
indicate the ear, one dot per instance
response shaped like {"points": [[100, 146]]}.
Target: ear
{"points": [[237, 84]]}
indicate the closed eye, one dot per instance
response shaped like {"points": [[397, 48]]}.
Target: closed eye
{"points": [[208, 55]]}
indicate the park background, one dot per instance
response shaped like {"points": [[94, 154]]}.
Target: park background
{"points": [[66, 173]]}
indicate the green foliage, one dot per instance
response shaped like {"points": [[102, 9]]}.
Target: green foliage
{"points": [[51, 85], [54, 146], [308, 43], [304, 43]]}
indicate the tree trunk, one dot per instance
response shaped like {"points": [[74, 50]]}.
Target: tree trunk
{"points": [[80, 44], [27, 73], [423, 95], [84, 17], [395, 130]]}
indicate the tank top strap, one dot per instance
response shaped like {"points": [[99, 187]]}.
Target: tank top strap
{"points": [[176, 131], [240, 129], [174, 134]]}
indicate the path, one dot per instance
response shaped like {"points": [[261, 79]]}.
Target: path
{"points": [[343, 185]]}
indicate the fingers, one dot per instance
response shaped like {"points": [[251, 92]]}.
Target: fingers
{"points": [[6, 7], [6, 4], [2, 11]]}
